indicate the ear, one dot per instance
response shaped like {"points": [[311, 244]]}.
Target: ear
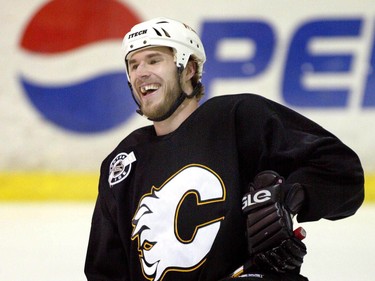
{"points": [[190, 70]]}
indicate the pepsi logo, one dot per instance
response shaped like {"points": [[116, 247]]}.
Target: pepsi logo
{"points": [[72, 70]]}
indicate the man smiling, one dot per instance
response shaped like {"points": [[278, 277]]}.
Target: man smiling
{"points": [[157, 84], [208, 192]]}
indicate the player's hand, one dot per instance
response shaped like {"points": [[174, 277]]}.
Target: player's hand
{"points": [[269, 207]]}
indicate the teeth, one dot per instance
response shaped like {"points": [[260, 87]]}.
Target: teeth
{"points": [[149, 87]]}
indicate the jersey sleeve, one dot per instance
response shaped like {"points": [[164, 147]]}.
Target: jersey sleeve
{"points": [[106, 258], [280, 139]]}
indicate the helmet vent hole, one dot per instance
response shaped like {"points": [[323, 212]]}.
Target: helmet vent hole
{"points": [[157, 32], [166, 33]]}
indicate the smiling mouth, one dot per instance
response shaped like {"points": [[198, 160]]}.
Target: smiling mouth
{"points": [[148, 89]]}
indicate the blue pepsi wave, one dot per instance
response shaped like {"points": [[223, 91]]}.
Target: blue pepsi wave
{"points": [[91, 106]]}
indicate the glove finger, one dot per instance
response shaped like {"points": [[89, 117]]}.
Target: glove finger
{"points": [[268, 262], [284, 260], [285, 257], [268, 215], [266, 219], [268, 239], [281, 261], [291, 252], [297, 249], [277, 261], [261, 214]]}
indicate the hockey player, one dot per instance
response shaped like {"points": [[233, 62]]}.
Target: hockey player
{"points": [[208, 192]]}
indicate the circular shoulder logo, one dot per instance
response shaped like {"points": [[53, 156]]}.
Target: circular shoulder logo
{"points": [[120, 167]]}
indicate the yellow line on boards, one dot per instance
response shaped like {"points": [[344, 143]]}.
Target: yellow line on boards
{"points": [[370, 188], [42, 186]]}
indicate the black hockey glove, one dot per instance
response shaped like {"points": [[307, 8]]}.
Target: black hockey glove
{"points": [[269, 207]]}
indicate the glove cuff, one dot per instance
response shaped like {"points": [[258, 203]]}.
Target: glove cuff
{"points": [[294, 198]]}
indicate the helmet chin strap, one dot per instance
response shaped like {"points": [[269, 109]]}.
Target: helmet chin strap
{"points": [[177, 102], [139, 111]]}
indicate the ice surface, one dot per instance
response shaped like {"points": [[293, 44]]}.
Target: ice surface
{"points": [[47, 242]]}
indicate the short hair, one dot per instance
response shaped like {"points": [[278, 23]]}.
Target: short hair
{"points": [[196, 79]]}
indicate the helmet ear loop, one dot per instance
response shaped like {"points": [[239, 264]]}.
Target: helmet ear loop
{"points": [[196, 89], [180, 69], [139, 111]]}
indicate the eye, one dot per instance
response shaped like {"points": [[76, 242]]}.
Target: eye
{"points": [[133, 66], [154, 61]]}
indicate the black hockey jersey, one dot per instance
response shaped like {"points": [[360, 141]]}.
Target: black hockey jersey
{"points": [[169, 207]]}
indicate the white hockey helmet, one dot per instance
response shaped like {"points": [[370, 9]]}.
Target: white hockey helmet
{"points": [[169, 33]]}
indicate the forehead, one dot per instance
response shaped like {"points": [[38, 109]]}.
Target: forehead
{"points": [[150, 51]]}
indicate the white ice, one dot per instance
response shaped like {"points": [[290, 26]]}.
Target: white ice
{"points": [[48, 241]]}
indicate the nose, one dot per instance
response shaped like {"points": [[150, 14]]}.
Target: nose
{"points": [[142, 70]]}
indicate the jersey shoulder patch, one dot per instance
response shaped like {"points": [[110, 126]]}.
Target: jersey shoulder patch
{"points": [[120, 167]]}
